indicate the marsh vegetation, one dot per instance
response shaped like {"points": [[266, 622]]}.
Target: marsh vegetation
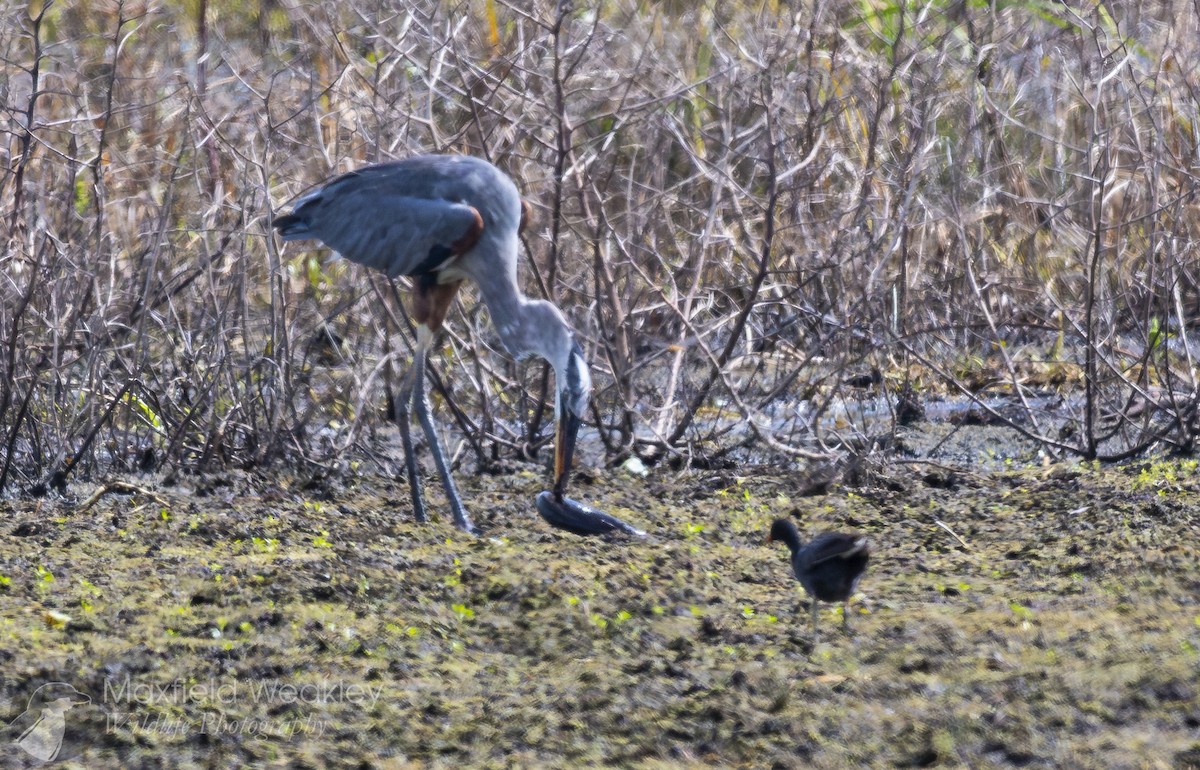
{"points": [[946, 250]]}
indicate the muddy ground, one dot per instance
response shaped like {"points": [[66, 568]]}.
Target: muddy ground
{"points": [[1044, 617]]}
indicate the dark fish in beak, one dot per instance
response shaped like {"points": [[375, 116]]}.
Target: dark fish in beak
{"points": [[560, 510], [554, 505], [581, 519]]}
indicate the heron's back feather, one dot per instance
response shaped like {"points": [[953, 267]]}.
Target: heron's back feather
{"points": [[407, 217]]}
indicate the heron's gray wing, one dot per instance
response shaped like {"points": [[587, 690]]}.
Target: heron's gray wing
{"points": [[378, 227]]}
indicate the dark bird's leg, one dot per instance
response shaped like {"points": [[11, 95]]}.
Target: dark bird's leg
{"points": [[815, 608], [846, 616]]}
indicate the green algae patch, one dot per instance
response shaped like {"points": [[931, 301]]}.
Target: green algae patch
{"points": [[1030, 619]]}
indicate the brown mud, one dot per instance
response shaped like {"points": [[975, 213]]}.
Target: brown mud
{"points": [[1044, 617]]}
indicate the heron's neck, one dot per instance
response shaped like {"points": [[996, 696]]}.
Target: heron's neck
{"points": [[510, 311], [525, 326]]}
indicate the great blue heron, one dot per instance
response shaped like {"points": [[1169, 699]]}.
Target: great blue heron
{"points": [[828, 567], [442, 219]]}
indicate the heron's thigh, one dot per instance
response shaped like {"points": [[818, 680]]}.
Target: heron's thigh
{"points": [[431, 301]]}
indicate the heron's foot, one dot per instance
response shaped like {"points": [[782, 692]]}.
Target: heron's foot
{"points": [[466, 526], [581, 519]]}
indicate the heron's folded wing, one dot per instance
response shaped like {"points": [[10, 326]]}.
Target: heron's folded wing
{"points": [[398, 234]]}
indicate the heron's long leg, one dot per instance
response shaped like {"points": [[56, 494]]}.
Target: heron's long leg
{"points": [[421, 405], [402, 409]]}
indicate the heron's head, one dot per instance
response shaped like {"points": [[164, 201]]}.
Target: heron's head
{"points": [[573, 384], [542, 330]]}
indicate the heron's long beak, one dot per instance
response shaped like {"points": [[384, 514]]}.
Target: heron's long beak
{"points": [[564, 450]]}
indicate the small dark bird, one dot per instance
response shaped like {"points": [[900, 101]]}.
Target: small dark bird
{"points": [[829, 567]]}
